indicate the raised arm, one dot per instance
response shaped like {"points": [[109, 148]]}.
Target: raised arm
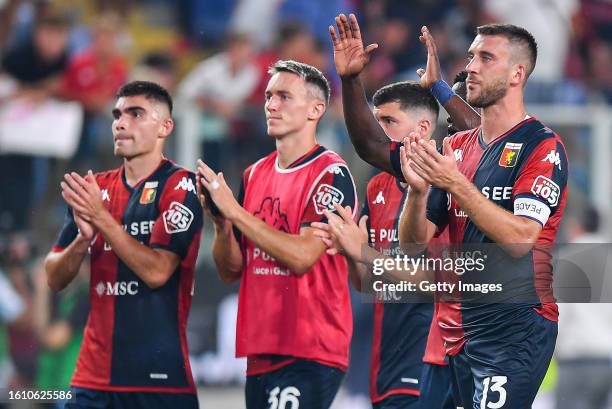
{"points": [[462, 114], [350, 59]]}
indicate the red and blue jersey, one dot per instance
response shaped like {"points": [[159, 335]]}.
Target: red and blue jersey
{"points": [[401, 329], [524, 171], [135, 340], [283, 316]]}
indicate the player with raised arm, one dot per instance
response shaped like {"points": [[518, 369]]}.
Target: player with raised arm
{"points": [[401, 109], [503, 183], [369, 140], [294, 314], [141, 225]]}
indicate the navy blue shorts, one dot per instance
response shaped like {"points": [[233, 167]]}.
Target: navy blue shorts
{"points": [[399, 401], [435, 388], [305, 383], [94, 399], [505, 369]]}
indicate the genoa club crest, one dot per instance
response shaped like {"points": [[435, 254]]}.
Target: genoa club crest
{"points": [[148, 193], [510, 154]]}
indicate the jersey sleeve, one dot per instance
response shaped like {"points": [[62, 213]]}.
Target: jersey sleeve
{"points": [[437, 208], [394, 158], [539, 188], [68, 232], [180, 214], [365, 211], [335, 185]]}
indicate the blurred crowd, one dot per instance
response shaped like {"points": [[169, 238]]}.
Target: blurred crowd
{"points": [[62, 61]]}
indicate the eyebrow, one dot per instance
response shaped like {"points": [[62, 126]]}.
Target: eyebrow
{"points": [[131, 110]]}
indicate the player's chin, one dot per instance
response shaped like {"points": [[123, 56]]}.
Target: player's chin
{"points": [[275, 132]]}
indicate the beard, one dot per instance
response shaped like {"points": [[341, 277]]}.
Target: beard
{"points": [[489, 94]]}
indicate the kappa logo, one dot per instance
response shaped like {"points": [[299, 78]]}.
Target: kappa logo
{"points": [[187, 185], [336, 170], [459, 155], [105, 195], [553, 157], [270, 212], [177, 218], [380, 198], [325, 198]]}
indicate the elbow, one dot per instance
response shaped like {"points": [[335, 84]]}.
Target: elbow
{"points": [[55, 285], [52, 280], [303, 264], [229, 277], [157, 280], [521, 243]]}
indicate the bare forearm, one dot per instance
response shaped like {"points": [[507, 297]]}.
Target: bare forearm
{"points": [[495, 222], [288, 249], [226, 253], [144, 261], [368, 138], [414, 227], [358, 272], [462, 114], [62, 267]]}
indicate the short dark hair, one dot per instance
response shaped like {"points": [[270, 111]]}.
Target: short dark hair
{"points": [[311, 75], [517, 36], [460, 77], [149, 90], [409, 94]]}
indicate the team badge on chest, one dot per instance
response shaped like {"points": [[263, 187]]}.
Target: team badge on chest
{"points": [[148, 193], [510, 154]]}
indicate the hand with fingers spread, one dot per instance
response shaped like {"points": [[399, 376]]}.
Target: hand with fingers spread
{"points": [[350, 56], [345, 234], [431, 73], [85, 197], [438, 170], [417, 184], [220, 193]]}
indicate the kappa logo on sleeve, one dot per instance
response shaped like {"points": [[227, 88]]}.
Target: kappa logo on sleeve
{"points": [[187, 185], [546, 189], [177, 218], [325, 198], [553, 157]]}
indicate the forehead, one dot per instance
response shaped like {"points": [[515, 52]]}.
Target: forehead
{"points": [[135, 100], [286, 81], [493, 44], [393, 109]]}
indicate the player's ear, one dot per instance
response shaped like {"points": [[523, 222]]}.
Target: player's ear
{"points": [[317, 109], [166, 127], [519, 74], [424, 127]]}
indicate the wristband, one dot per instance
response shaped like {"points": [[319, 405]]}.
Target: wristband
{"points": [[442, 92]]}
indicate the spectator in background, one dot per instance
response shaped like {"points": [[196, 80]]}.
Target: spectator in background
{"points": [[59, 322], [92, 78], [584, 351], [212, 97], [550, 23], [34, 68], [11, 309], [156, 67]]}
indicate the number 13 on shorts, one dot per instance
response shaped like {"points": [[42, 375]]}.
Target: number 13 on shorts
{"points": [[493, 392]]}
